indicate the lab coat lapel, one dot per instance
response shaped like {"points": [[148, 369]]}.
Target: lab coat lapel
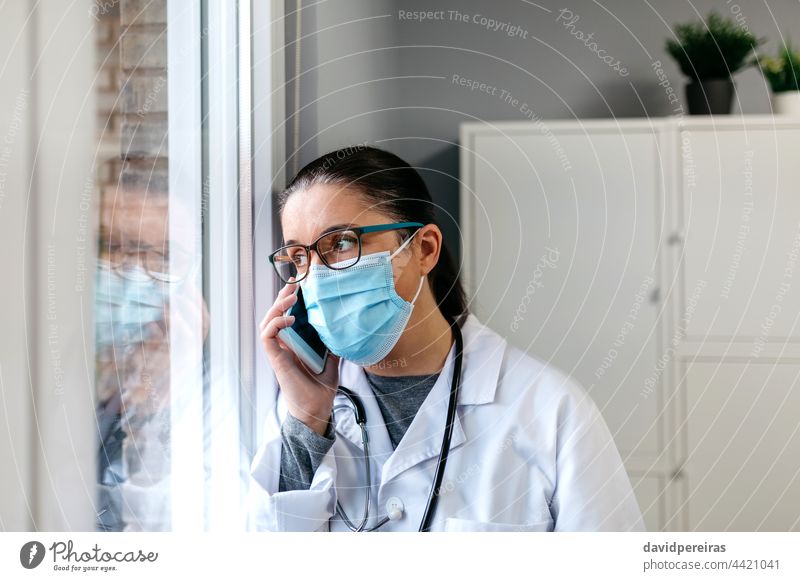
{"points": [[423, 438], [483, 357]]}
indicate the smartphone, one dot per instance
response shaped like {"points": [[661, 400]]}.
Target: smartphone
{"points": [[302, 338]]}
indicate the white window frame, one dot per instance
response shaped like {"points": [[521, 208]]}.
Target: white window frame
{"points": [[223, 281], [269, 162], [214, 436], [185, 186], [245, 120], [243, 115]]}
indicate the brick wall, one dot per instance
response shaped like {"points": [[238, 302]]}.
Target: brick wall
{"points": [[107, 33], [131, 43], [143, 97]]}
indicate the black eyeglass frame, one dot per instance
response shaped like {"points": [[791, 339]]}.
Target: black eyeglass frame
{"points": [[358, 230], [143, 254]]}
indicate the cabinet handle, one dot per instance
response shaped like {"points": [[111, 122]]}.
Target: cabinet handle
{"points": [[675, 238], [655, 295]]}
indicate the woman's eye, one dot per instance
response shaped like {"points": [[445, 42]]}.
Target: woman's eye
{"points": [[299, 259], [344, 243]]}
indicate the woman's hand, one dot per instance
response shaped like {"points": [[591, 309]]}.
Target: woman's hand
{"points": [[309, 397]]}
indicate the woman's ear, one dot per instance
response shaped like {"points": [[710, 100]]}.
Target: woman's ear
{"points": [[429, 238]]}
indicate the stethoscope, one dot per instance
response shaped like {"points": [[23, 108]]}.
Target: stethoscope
{"points": [[396, 511]]}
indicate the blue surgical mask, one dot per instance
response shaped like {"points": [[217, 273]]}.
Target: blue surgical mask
{"points": [[357, 311], [125, 306]]}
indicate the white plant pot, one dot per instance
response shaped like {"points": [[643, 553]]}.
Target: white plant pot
{"points": [[786, 103]]}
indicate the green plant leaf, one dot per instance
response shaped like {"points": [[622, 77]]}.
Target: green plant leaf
{"points": [[712, 49], [783, 70]]}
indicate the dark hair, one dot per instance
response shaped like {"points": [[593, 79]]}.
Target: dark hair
{"points": [[389, 182]]}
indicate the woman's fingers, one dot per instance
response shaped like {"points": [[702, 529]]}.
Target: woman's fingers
{"points": [[278, 308], [288, 289], [270, 331], [269, 336]]}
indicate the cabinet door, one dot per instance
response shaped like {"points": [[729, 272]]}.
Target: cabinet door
{"points": [[743, 463], [741, 215], [562, 238], [649, 490]]}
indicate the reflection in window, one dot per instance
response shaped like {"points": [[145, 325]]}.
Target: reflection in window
{"points": [[138, 270], [170, 452], [133, 373]]}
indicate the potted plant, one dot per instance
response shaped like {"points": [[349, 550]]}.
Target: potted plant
{"points": [[710, 53], [783, 74]]}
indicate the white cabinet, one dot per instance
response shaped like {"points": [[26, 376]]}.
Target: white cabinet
{"points": [[621, 250], [743, 467], [649, 494], [741, 212], [563, 259]]}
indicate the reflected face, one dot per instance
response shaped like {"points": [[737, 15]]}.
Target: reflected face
{"points": [[135, 230], [134, 219], [310, 213]]}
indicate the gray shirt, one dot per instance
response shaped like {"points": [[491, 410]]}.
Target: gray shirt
{"points": [[303, 449]]}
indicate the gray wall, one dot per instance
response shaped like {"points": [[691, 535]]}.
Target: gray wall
{"points": [[543, 65], [345, 53]]}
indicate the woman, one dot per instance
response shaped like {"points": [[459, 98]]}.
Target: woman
{"points": [[528, 449]]}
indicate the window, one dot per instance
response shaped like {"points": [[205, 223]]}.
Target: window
{"points": [[183, 142]]}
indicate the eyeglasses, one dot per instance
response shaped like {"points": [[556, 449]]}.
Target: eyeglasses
{"points": [[138, 260], [338, 249]]}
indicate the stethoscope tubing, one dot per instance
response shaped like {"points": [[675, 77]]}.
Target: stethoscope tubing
{"points": [[433, 497], [441, 463]]}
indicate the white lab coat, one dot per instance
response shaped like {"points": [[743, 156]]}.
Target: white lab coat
{"points": [[530, 452]]}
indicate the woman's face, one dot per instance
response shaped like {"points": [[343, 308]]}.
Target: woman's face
{"points": [[309, 213]]}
